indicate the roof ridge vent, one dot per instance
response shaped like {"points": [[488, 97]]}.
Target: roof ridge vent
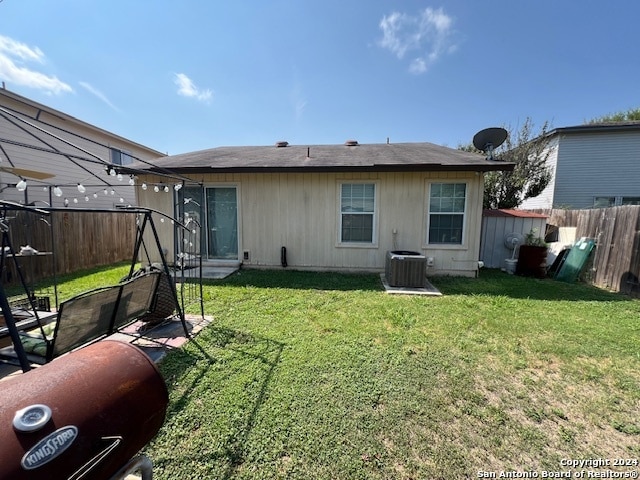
{"points": [[282, 143], [351, 143]]}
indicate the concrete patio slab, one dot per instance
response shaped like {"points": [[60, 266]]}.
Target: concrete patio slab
{"points": [[428, 289]]}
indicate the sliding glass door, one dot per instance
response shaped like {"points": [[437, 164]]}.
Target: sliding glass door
{"points": [[219, 209], [222, 228]]}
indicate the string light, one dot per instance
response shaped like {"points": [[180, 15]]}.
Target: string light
{"points": [[119, 177], [177, 186], [144, 185], [132, 181], [75, 200], [22, 185], [57, 191], [156, 189], [81, 188], [95, 195], [66, 202], [86, 198], [166, 189]]}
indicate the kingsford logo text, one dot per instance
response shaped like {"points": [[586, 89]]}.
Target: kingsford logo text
{"points": [[49, 447]]}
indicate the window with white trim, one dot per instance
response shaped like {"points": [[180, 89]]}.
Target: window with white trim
{"points": [[357, 212], [447, 203], [120, 157]]}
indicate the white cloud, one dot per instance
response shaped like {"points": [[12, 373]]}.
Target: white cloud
{"points": [[91, 89], [187, 88], [430, 34], [13, 58]]}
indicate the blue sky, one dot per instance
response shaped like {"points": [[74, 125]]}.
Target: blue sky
{"points": [[189, 75]]}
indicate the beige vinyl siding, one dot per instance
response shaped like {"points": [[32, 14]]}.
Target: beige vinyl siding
{"points": [[300, 211]]}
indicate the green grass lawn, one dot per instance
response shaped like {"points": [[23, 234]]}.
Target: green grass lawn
{"points": [[325, 376], [309, 375]]}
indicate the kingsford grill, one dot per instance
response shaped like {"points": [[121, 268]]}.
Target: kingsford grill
{"points": [[86, 415]]}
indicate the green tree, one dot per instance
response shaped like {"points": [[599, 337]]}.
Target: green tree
{"points": [[631, 115], [529, 151]]}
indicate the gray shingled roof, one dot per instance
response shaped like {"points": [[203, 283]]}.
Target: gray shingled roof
{"points": [[633, 125], [327, 158]]}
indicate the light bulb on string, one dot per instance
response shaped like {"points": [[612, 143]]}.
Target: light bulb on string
{"points": [[112, 172], [106, 192], [120, 177], [86, 198], [75, 200], [66, 202], [112, 192], [95, 195], [57, 191], [156, 189], [144, 185], [132, 181], [166, 189], [177, 186], [22, 185], [121, 200], [81, 188]]}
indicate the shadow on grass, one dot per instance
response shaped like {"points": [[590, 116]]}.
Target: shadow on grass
{"points": [[494, 282], [305, 280], [241, 355]]}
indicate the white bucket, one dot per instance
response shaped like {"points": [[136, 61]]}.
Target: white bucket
{"points": [[510, 265]]}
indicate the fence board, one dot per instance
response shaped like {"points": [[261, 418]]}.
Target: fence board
{"points": [[616, 261], [79, 240]]}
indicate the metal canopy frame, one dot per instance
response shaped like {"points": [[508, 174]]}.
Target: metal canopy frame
{"points": [[144, 221]]}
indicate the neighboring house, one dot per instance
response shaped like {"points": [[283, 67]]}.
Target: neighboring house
{"points": [[52, 149], [333, 207], [593, 166]]}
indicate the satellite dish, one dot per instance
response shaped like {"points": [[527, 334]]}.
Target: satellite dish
{"points": [[513, 240], [489, 139]]}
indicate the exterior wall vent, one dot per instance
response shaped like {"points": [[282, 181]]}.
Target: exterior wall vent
{"points": [[282, 144], [351, 143]]}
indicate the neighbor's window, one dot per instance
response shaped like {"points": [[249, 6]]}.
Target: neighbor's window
{"points": [[446, 212], [357, 212], [602, 202], [630, 201], [120, 157]]}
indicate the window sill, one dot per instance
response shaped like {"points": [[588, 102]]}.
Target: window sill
{"points": [[444, 246], [357, 245]]}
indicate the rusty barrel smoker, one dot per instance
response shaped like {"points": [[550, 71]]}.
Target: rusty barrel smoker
{"points": [[83, 416]]}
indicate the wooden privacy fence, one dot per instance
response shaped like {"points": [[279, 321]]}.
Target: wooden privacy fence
{"points": [[68, 241], [616, 230]]}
